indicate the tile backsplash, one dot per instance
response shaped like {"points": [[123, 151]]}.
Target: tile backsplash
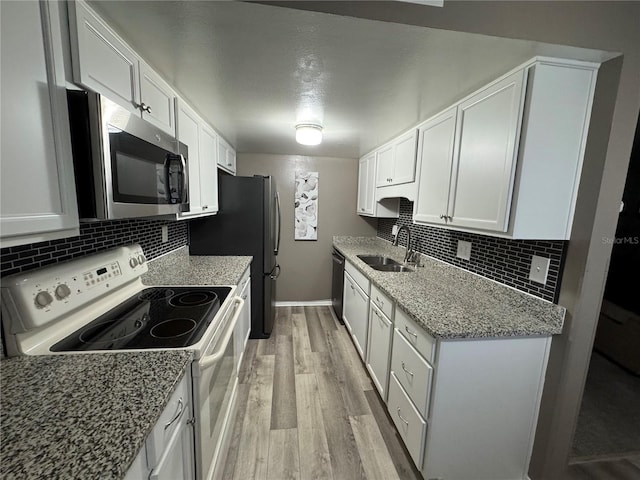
{"points": [[94, 237], [501, 259]]}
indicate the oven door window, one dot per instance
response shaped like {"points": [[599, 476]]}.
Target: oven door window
{"points": [[137, 169], [216, 392]]}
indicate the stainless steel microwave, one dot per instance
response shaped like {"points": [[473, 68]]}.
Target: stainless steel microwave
{"points": [[124, 167]]}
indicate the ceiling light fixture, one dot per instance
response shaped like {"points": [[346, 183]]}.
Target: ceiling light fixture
{"points": [[308, 134]]}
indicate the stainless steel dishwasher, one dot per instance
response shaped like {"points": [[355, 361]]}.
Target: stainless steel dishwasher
{"points": [[337, 283]]}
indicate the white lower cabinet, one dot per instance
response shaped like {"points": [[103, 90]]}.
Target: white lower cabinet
{"points": [[355, 313], [410, 425], [378, 347], [412, 371], [464, 408], [168, 452]]}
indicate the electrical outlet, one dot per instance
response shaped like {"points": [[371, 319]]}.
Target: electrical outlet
{"points": [[464, 250], [165, 233], [539, 269], [394, 230]]}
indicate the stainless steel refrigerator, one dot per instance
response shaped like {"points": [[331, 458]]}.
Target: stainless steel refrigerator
{"points": [[248, 223]]}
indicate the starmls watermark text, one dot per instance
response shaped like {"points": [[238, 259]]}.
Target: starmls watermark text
{"points": [[621, 240]]}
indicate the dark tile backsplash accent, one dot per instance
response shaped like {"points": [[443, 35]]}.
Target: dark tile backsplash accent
{"points": [[94, 237], [501, 259]]}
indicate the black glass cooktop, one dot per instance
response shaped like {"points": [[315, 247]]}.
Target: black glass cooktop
{"points": [[159, 317]]}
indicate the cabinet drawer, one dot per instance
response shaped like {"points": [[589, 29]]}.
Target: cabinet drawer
{"points": [[177, 406], [424, 343], [358, 277], [408, 422], [382, 301], [412, 371]]}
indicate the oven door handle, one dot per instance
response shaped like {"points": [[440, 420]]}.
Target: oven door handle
{"points": [[212, 359]]}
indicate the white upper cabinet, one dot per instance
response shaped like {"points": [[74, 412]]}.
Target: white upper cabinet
{"points": [[201, 141], [188, 124], [384, 168], [485, 155], [37, 200], [397, 161], [157, 99], [365, 193], [226, 156], [514, 152], [436, 155], [105, 64], [367, 204], [208, 171]]}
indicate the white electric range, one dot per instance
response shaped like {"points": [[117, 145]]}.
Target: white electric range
{"points": [[98, 303]]}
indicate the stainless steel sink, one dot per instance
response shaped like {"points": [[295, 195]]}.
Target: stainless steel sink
{"points": [[372, 260], [392, 268]]}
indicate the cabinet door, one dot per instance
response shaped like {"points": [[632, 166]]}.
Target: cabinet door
{"points": [[101, 61], [366, 187], [37, 184], [487, 131], [356, 314], [177, 459], [378, 349], [208, 170], [436, 155], [158, 100], [188, 132], [384, 167], [226, 156], [404, 162]]}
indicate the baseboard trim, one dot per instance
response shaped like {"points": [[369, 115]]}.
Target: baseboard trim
{"points": [[311, 303]]}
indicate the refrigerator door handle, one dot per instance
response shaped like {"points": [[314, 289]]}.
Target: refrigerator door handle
{"points": [[275, 275], [279, 223]]}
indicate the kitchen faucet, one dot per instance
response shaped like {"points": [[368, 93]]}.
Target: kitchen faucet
{"points": [[409, 254]]}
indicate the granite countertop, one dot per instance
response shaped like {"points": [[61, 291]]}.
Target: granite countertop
{"points": [[82, 416], [180, 268], [449, 302]]}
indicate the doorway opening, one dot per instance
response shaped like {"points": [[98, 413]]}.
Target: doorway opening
{"points": [[608, 429]]}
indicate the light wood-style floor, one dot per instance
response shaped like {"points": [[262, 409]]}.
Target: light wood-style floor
{"points": [[308, 410]]}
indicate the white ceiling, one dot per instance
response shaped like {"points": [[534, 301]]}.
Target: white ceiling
{"points": [[254, 71]]}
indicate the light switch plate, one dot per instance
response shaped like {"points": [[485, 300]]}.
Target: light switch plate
{"points": [[165, 233], [394, 230], [464, 250], [539, 269]]}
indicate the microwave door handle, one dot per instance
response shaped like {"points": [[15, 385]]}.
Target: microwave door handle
{"points": [[185, 183], [176, 190], [209, 360], [279, 223]]}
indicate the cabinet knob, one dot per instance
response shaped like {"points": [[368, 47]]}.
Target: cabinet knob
{"points": [[145, 108], [443, 217]]}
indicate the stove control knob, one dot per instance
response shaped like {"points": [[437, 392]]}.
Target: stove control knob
{"points": [[133, 262], [62, 291], [43, 299], [141, 259]]}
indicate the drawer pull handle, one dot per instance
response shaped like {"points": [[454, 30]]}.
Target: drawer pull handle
{"points": [[380, 302], [178, 413], [407, 371], [401, 418], [410, 332]]}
